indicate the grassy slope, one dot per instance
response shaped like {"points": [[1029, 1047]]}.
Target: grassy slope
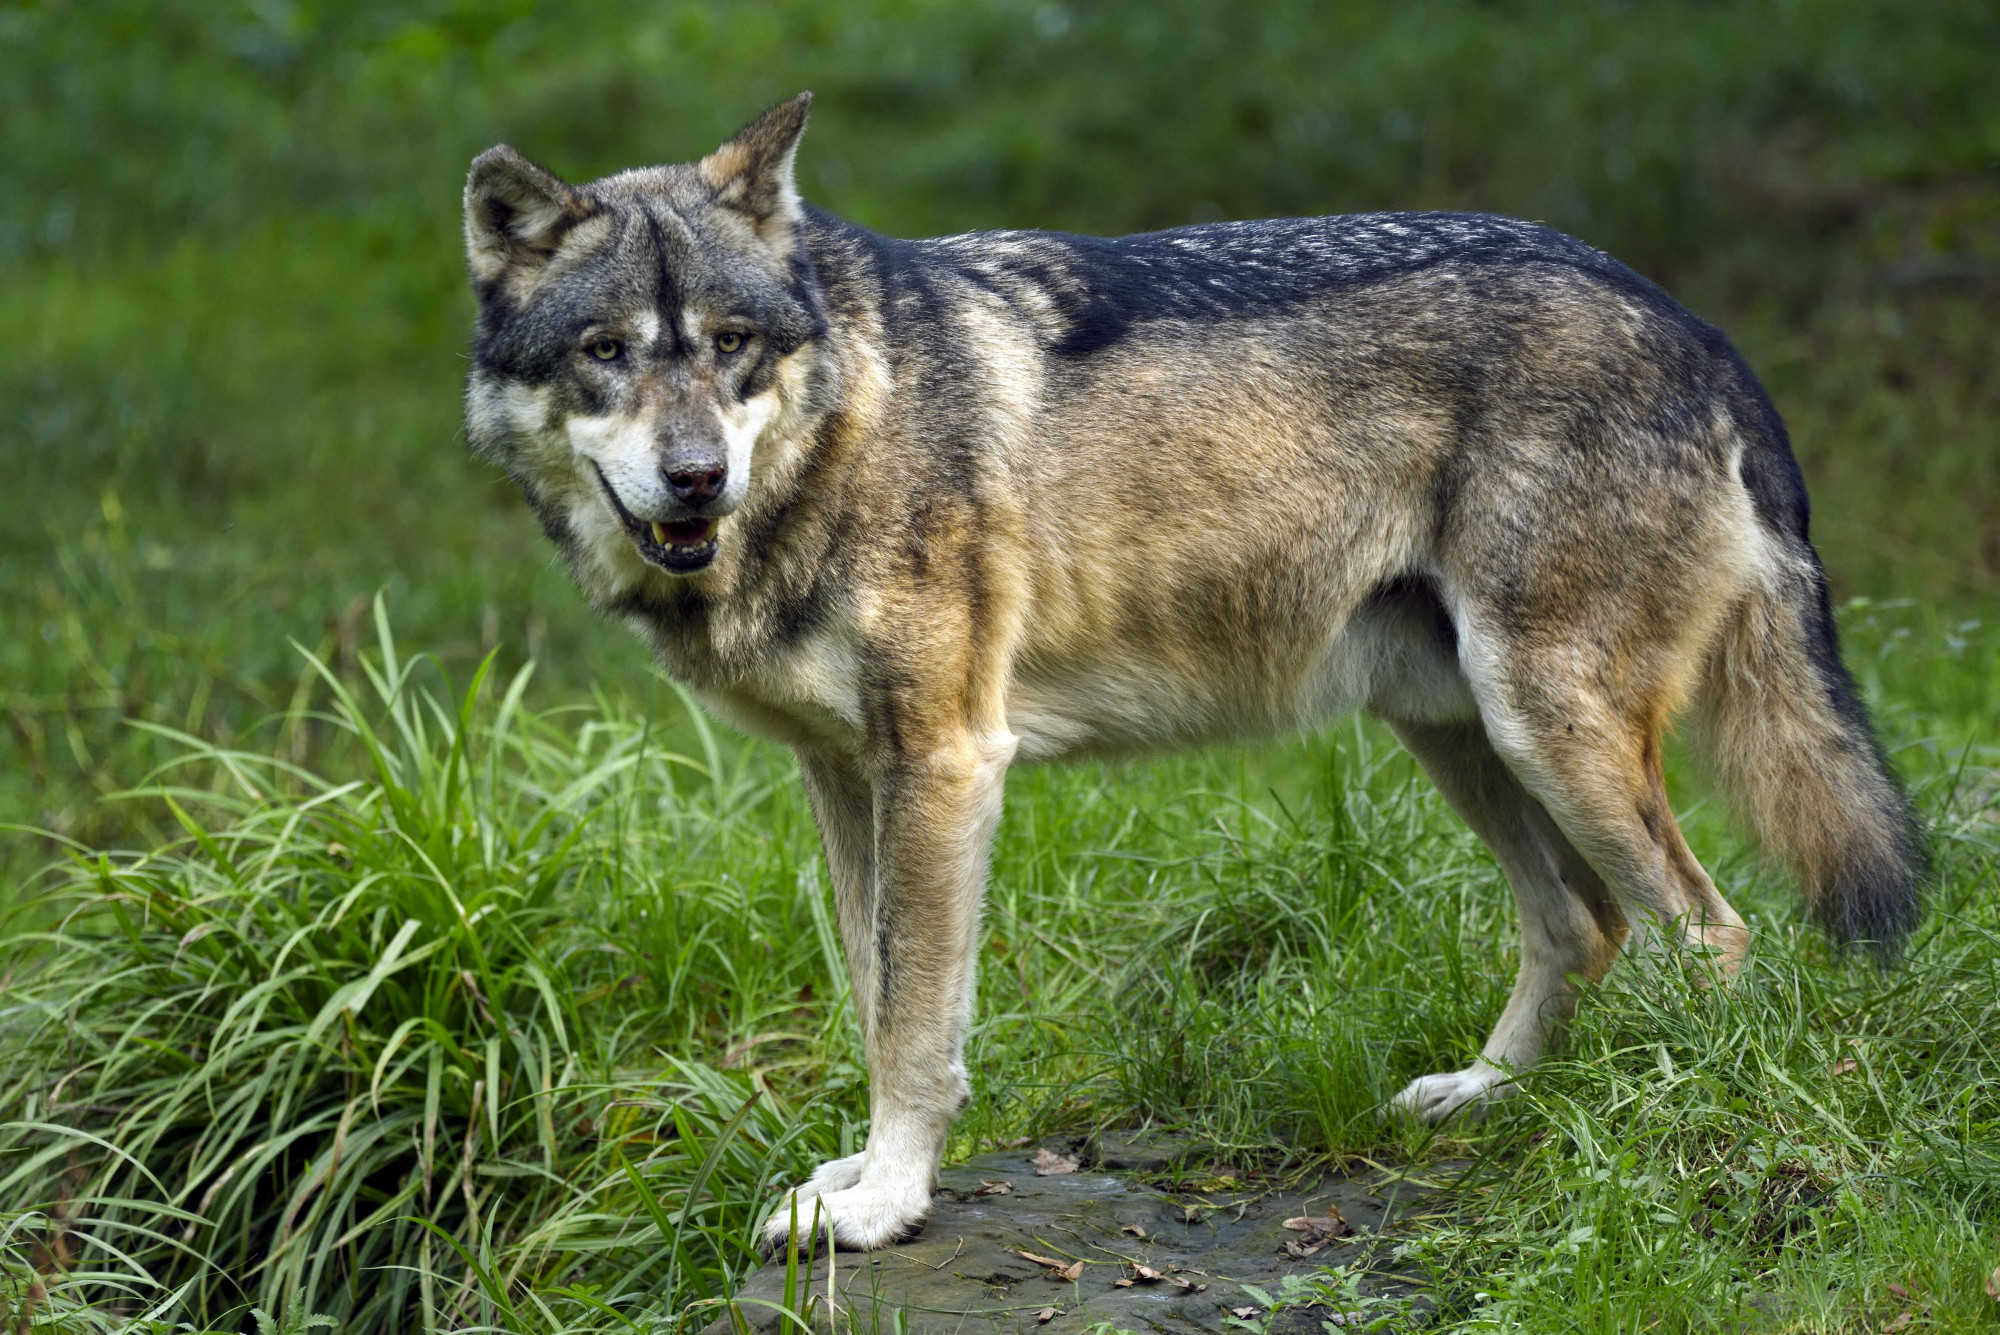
{"points": [[232, 316]]}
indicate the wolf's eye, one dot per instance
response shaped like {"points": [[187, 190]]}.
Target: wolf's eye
{"points": [[728, 342], [606, 349]]}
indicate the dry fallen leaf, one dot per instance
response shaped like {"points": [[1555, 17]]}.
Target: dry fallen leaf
{"points": [[1121, 1283], [1900, 1323], [1898, 1292], [1050, 1164], [1190, 1214], [1301, 1250], [1185, 1285], [1065, 1270], [1038, 1259], [1845, 1066], [1046, 1315], [994, 1187], [1993, 1284], [1134, 1229], [1243, 1312], [1145, 1273]]}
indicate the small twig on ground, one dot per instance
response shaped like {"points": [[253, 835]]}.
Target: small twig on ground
{"points": [[941, 1264]]}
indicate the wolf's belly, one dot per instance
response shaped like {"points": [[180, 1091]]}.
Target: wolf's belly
{"points": [[1388, 656]]}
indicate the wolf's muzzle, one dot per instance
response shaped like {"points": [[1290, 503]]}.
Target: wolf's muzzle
{"points": [[680, 546]]}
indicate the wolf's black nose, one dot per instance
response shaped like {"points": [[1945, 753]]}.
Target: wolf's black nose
{"points": [[697, 482]]}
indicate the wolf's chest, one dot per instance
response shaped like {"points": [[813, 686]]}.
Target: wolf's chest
{"points": [[805, 691]]}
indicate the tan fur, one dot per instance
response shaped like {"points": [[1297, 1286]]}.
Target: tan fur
{"points": [[1480, 481]]}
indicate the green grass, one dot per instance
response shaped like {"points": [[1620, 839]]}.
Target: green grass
{"points": [[527, 1020], [232, 315], [340, 1040]]}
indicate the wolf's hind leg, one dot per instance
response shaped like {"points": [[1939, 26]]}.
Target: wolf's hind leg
{"points": [[1570, 922], [1579, 721], [1595, 765]]}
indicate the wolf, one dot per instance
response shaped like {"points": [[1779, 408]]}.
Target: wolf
{"points": [[921, 510]]}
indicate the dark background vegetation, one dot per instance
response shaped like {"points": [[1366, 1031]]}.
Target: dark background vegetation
{"points": [[233, 314]]}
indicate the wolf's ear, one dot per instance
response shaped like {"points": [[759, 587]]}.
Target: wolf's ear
{"points": [[515, 214], [752, 173]]}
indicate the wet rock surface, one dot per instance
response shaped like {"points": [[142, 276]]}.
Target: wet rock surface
{"points": [[1204, 1234]]}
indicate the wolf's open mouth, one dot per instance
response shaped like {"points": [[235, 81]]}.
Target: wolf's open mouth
{"points": [[683, 533], [684, 546], [681, 547]]}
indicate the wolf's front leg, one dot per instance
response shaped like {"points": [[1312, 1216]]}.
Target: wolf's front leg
{"points": [[907, 850]]}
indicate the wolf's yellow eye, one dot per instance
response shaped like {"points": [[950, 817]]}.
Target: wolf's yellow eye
{"points": [[728, 342], [606, 349]]}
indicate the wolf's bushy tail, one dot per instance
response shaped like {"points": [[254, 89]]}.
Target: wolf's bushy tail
{"points": [[1789, 739]]}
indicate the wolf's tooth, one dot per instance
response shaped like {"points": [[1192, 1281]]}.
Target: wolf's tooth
{"points": [[659, 533]]}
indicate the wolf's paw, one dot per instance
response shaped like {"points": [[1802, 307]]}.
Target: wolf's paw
{"points": [[864, 1218], [833, 1175], [1436, 1097]]}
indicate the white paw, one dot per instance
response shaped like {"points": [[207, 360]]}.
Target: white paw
{"points": [[834, 1175], [831, 1176], [1436, 1097], [864, 1218]]}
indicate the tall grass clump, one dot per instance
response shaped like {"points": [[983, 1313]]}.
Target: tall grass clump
{"points": [[383, 1046]]}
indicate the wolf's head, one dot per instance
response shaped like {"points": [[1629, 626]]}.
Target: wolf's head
{"points": [[648, 344]]}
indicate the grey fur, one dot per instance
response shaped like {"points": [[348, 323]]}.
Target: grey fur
{"points": [[1025, 495]]}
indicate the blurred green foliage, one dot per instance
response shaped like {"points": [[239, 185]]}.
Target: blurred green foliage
{"points": [[1663, 132], [232, 305]]}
